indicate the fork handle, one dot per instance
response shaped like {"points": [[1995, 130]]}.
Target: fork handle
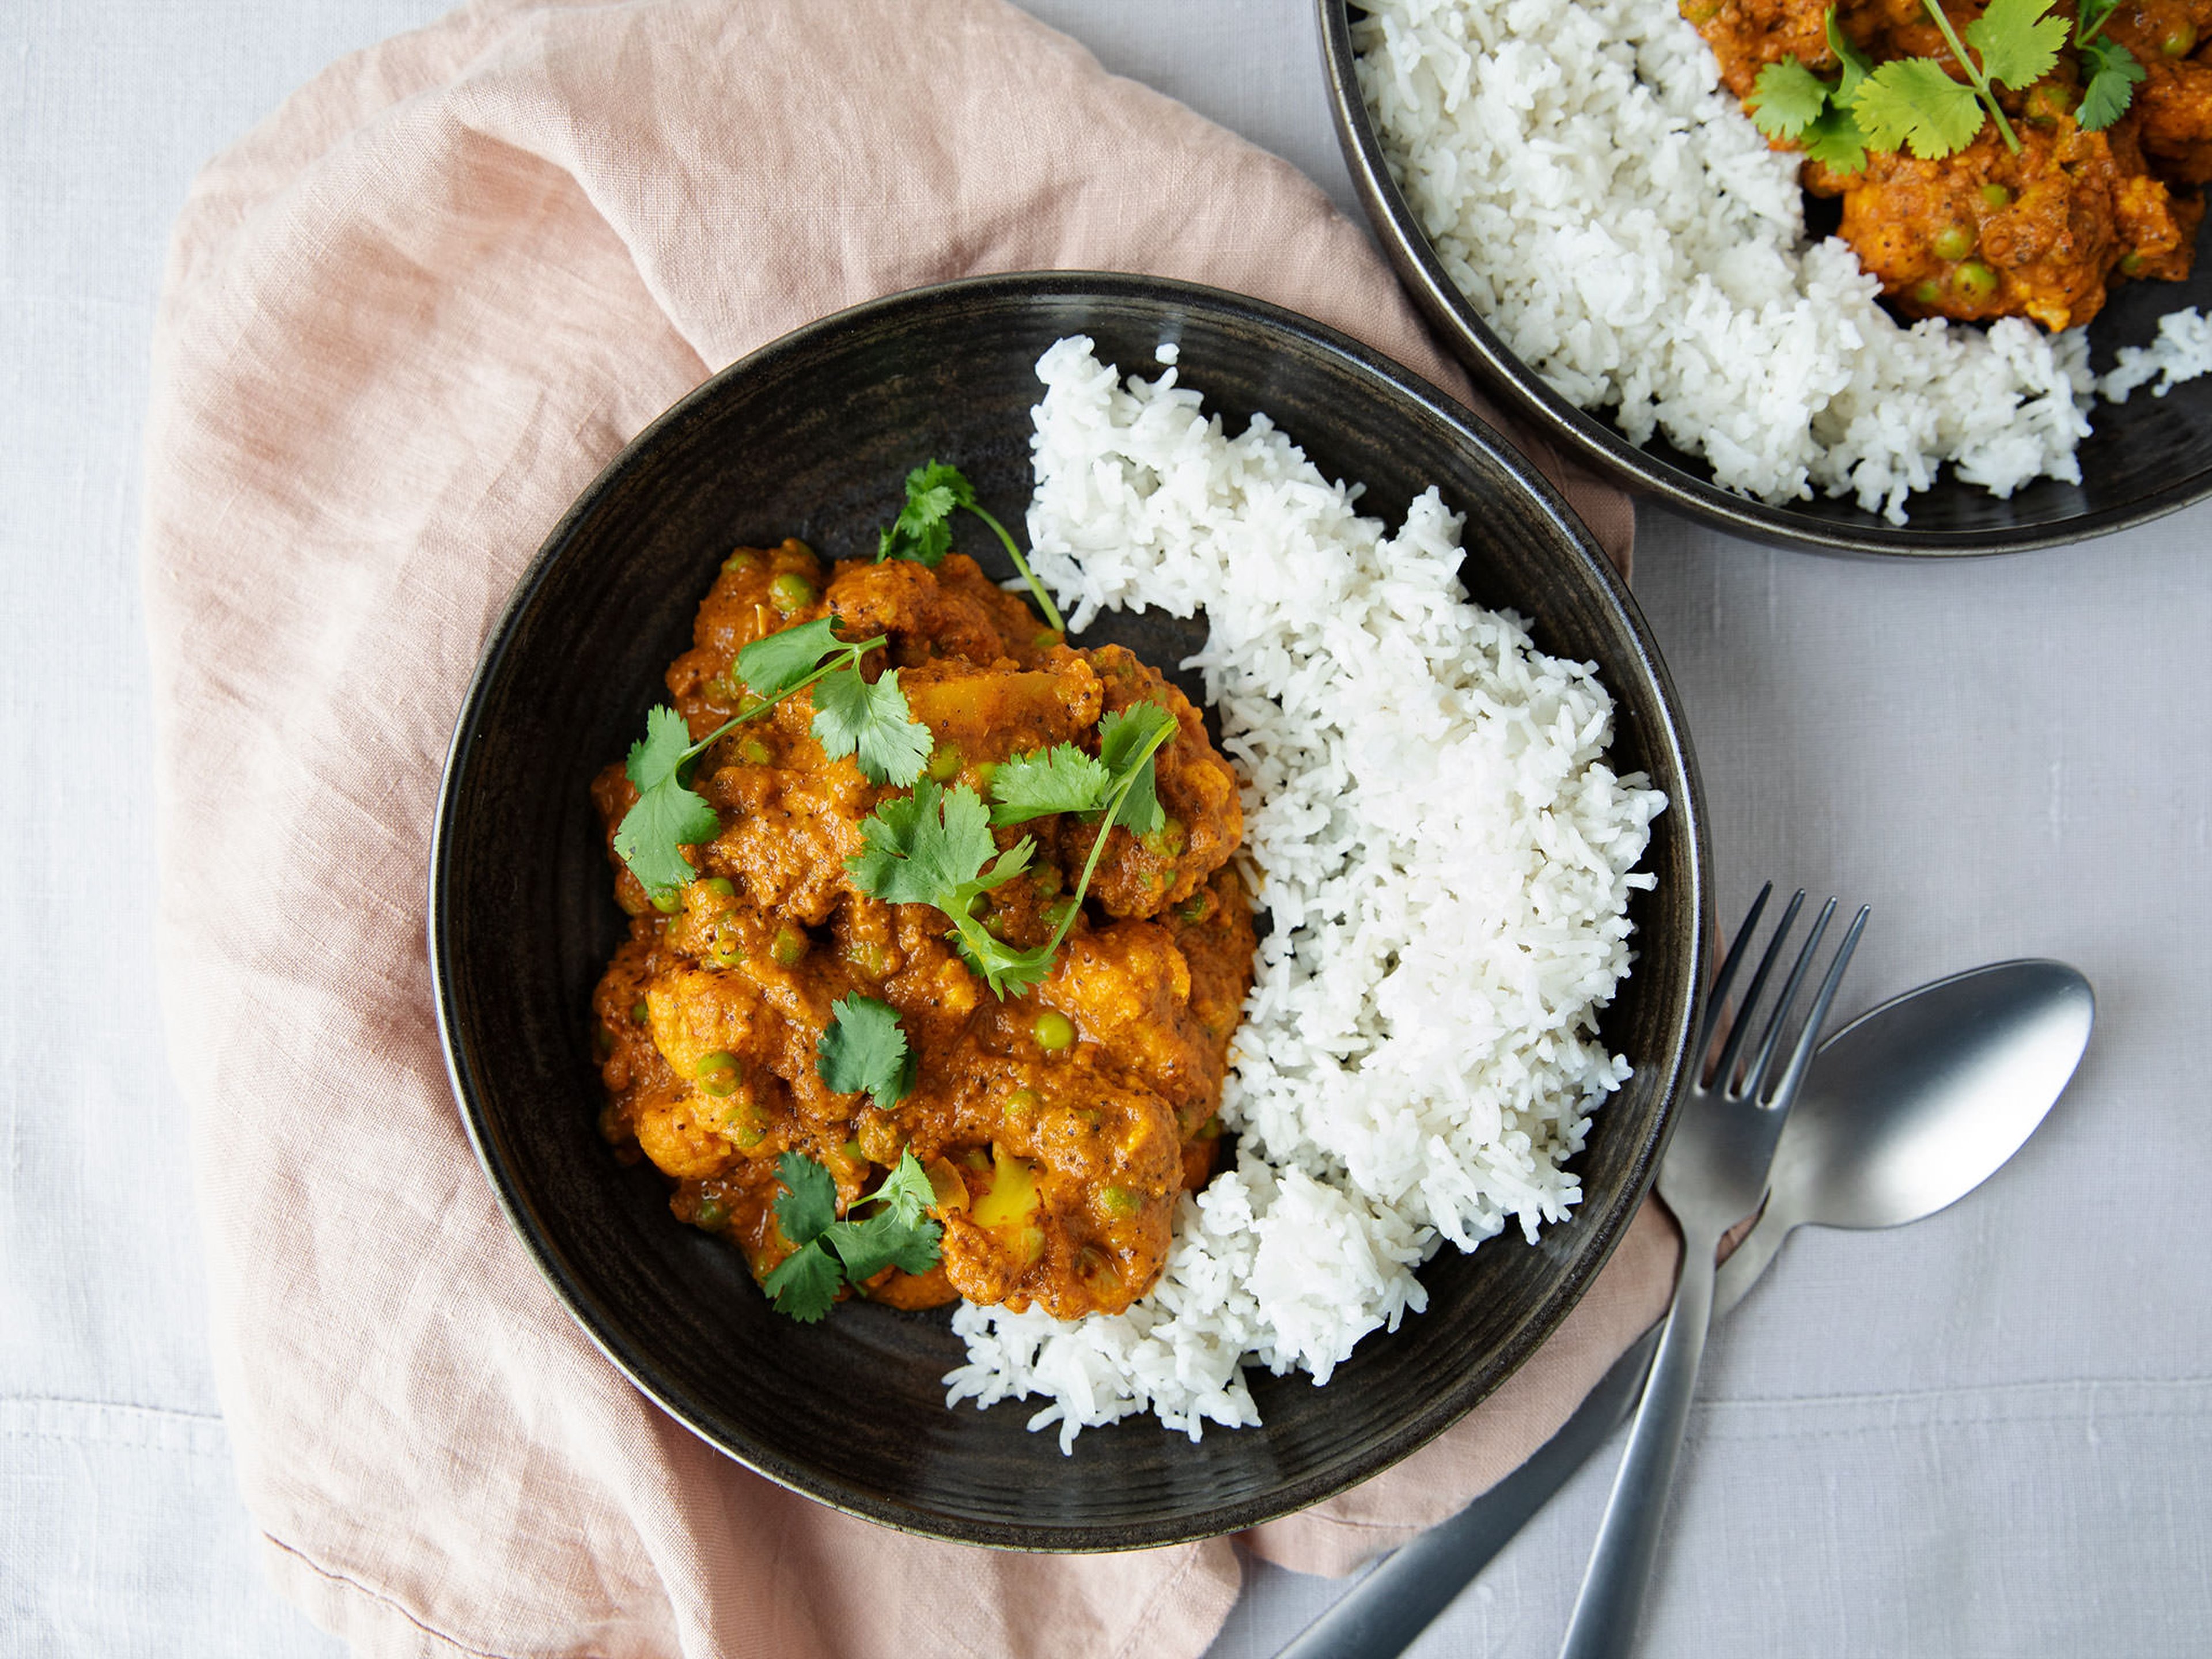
{"points": [[1604, 1623]]}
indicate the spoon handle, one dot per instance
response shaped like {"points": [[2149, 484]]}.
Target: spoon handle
{"points": [[1604, 1623], [1741, 1270]]}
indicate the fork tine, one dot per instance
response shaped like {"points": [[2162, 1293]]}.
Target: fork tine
{"points": [[1717, 998], [1754, 1073], [1800, 1057], [1741, 1030]]}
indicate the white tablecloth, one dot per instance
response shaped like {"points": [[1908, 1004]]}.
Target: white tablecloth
{"points": [[1988, 1434]]}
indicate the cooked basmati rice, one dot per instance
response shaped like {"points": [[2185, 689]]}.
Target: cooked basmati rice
{"points": [[1448, 859], [1609, 209]]}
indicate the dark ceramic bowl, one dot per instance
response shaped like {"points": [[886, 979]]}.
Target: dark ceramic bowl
{"points": [[811, 437], [2146, 457]]}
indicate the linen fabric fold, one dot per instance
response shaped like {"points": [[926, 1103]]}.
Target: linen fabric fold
{"points": [[404, 322]]}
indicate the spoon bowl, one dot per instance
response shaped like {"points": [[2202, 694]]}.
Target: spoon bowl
{"points": [[1915, 1103]]}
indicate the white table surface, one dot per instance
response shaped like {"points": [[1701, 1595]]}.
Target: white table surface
{"points": [[1988, 1434]]}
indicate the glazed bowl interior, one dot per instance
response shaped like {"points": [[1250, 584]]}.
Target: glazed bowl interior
{"points": [[811, 437], [2144, 458]]}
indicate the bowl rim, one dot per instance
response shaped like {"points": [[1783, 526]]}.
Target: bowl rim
{"points": [[1596, 442], [604, 1325]]}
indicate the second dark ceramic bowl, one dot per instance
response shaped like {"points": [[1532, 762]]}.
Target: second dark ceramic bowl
{"points": [[2146, 457], [811, 436]]}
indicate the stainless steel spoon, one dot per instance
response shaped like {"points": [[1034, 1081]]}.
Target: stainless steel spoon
{"points": [[1914, 1104], [1906, 1110]]}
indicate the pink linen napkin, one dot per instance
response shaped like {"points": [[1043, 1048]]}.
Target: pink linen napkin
{"points": [[405, 321]]}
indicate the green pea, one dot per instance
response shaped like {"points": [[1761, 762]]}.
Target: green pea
{"points": [[743, 1127], [1168, 840], [1996, 196], [1120, 1200], [2133, 265], [1975, 280], [1023, 1103], [944, 762], [670, 903], [1045, 642], [1927, 292], [753, 752], [719, 1073], [1192, 910], [985, 771], [2180, 40], [1210, 1129], [603, 1042], [1053, 1030], [1954, 242], [710, 1214], [721, 884], [789, 947], [870, 956], [791, 592], [640, 1012], [1047, 879], [743, 559]]}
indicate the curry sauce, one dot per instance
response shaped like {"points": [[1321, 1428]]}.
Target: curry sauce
{"points": [[1058, 1127]]}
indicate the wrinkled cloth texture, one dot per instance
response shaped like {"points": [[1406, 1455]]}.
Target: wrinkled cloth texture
{"points": [[405, 321]]}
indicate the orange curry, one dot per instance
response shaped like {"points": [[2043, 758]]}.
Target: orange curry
{"points": [[1986, 233], [1058, 1125]]}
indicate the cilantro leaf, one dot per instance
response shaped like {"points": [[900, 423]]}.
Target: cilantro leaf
{"points": [[778, 665], [804, 1285], [868, 1246], [1911, 101], [809, 1202], [863, 1048], [1126, 741], [2113, 73], [906, 1189], [923, 532], [1786, 98], [1857, 64], [667, 816], [1061, 779], [1836, 142], [666, 746], [931, 848], [2017, 41], [850, 714]]}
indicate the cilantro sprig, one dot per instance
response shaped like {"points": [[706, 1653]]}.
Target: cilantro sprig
{"points": [[923, 530], [1918, 104], [2111, 69], [863, 1048], [830, 1252], [934, 847], [1064, 779], [851, 717]]}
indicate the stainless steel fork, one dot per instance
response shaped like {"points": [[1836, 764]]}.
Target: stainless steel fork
{"points": [[1714, 1177]]}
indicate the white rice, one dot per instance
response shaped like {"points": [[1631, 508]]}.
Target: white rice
{"points": [[1605, 203], [1448, 859]]}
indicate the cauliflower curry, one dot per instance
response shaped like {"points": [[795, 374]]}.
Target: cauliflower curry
{"points": [[1989, 232], [1057, 1124]]}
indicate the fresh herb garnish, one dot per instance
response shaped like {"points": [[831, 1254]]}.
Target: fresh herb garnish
{"points": [[1917, 104], [1063, 779], [934, 847], [667, 815], [828, 1252], [850, 717], [2112, 71], [923, 530], [863, 1048]]}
